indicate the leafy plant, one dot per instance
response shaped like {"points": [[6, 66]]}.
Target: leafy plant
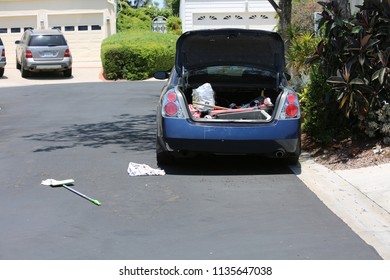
{"points": [[174, 25], [302, 17], [133, 19], [351, 92], [319, 109], [300, 49], [378, 122], [354, 54]]}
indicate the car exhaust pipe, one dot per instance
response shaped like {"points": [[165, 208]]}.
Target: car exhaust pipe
{"points": [[280, 153]]}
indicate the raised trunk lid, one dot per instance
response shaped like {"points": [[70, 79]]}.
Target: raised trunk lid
{"points": [[251, 48]]}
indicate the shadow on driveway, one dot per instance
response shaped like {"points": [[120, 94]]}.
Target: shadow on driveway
{"points": [[138, 133], [130, 132]]}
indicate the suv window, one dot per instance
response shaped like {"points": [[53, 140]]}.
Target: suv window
{"points": [[1, 42], [46, 40]]}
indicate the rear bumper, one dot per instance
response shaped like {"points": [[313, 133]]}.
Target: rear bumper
{"points": [[237, 138], [32, 65]]}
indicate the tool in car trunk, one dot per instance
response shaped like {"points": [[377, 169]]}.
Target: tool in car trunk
{"points": [[210, 106], [65, 183]]}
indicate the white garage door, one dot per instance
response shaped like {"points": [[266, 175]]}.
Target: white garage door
{"points": [[246, 20], [12, 28], [84, 33]]}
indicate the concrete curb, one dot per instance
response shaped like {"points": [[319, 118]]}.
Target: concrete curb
{"points": [[365, 217]]}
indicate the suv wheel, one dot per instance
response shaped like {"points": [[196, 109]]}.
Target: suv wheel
{"points": [[25, 73], [68, 73], [18, 66], [1, 72]]}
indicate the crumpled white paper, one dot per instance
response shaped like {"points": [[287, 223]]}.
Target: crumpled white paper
{"points": [[137, 169]]}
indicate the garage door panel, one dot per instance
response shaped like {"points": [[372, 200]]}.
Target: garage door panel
{"points": [[83, 32], [12, 28], [250, 20]]}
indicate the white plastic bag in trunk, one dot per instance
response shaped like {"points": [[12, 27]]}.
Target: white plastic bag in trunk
{"points": [[203, 95]]}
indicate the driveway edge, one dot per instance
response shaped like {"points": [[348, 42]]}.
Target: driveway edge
{"points": [[364, 216]]}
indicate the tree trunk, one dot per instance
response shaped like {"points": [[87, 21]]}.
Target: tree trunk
{"points": [[285, 18], [345, 6]]}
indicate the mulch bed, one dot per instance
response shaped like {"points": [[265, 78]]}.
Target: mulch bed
{"points": [[348, 153]]}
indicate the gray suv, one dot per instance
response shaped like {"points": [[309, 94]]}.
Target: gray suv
{"points": [[43, 50], [3, 60]]}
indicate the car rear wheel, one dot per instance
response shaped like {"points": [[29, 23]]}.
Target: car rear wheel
{"points": [[293, 160], [163, 157], [68, 73], [18, 66], [25, 73], [1, 72]]}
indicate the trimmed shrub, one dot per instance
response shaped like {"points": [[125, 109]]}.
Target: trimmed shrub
{"points": [[136, 55]]}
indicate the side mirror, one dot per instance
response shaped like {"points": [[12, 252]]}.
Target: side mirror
{"points": [[161, 75], [17, 42]]}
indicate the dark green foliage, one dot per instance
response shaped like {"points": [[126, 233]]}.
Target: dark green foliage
{"points": [[354, 56], [136, 55], [321, 120]]}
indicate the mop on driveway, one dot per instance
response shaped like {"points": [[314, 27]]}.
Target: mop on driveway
{"points": [[65, 183]]}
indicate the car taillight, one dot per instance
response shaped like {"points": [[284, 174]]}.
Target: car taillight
{"points": [[171, 109], [171, 96], [67, 53], [291, 98], [291, 107], [29, 54], [171, 105], [3, 52], [291, 110]]}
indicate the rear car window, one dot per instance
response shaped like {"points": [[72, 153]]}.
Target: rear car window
{"points": [[1, 42], [46, 40]]}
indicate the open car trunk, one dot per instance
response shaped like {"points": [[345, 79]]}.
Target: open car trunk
{"points": [[237, 94], [243, 67]]}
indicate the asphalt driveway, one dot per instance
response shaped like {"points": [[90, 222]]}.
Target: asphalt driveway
{"points": [[211, 208]]}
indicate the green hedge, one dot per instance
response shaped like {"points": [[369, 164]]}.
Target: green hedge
{"points": [[136, 55]]}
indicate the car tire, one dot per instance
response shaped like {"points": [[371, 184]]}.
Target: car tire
{"points": [[68, 73], [25, 73], [163, 157], [18, 66], [1, 72], [293, 160]]}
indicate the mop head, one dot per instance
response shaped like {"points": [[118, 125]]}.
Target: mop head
{"points": [[54, 183]]}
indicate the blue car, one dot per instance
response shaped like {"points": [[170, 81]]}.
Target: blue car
{"points": [[227, 94]]}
